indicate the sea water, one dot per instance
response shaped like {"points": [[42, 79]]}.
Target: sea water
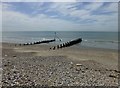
{"points": [[90, 39]]}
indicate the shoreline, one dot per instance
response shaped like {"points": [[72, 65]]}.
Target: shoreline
{"points": [[80, 46]]}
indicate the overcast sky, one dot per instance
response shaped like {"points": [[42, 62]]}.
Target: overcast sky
{"points": [[60, 16]]}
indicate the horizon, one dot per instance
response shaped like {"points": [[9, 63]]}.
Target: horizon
{"points": [[58, 31]]}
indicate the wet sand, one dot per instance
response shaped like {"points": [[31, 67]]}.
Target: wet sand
{"points": [[72, 66]]}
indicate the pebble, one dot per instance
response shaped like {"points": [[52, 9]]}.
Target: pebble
{"points": [[71, 63], [113, 76], [6, 55], [78, 68], [53, 71], [14, 56], [78, 64]]}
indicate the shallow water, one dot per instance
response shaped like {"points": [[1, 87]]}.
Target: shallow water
{"points": [[91, 39]]}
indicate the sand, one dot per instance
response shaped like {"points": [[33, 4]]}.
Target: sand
{"points": [[103, 56], [72, 66]]}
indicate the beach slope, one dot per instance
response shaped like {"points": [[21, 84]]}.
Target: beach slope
{"points": [[72, 66]]}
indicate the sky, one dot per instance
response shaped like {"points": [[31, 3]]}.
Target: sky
{"points": [[59, 16]]}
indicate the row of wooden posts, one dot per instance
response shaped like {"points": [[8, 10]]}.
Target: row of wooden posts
{"points": [[63, 45], [67, 44], [38, 42]]}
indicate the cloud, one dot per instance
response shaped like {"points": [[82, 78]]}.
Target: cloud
{"points": [[112, 7], [40, 22], [60, 16], [93, 6]]}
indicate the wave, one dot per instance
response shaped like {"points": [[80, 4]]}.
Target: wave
{"points": [[102, 41], [107, 41]]}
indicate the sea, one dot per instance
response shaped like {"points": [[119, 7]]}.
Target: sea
{"points": [[106, 40]]}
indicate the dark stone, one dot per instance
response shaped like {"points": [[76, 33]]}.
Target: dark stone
{"points": [[113, 76], [14, 56]]}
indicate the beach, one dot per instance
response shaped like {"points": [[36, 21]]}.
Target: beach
{"points": [[37, 65], [59, 44]]}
